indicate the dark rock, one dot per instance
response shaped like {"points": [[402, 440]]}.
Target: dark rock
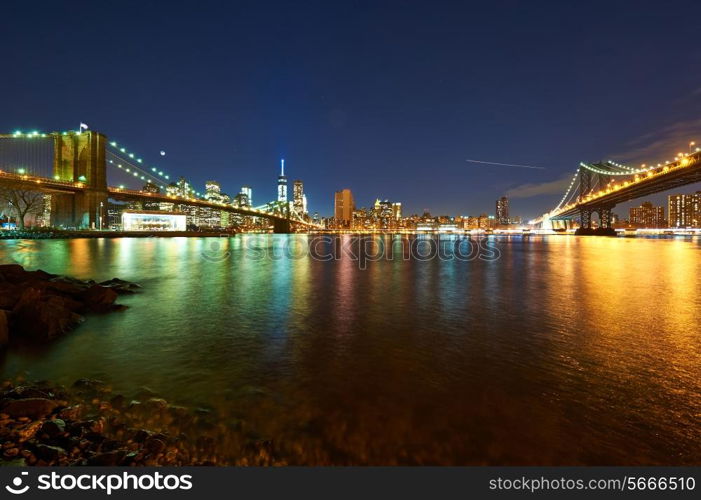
{"points": [[155, 404], [79, 428], [94, 437], [140, 436], [4, 327], [9, 295], [154, 445], [49, 453], [39, 275], [35, 408], [99, 298], [107, 459], [117, 401], [75, 282], [70, 289], [110, 445], [42, 318], [90, 386], [14, 273], [121, 286], [71, 413], [53, 428], [129, 458], [24, 392]]}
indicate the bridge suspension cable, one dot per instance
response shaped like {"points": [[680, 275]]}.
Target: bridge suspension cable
{"points": [[569, 189], [596, 169], [133, 169]]}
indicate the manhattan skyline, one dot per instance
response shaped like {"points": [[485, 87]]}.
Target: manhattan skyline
{"points": [[386, 110]]}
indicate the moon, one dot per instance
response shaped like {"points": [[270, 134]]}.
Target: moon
{"points": [[163, 153]]}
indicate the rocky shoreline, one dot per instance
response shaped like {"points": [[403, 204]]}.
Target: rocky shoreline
{"points": [[38, 306], [42, 424]]}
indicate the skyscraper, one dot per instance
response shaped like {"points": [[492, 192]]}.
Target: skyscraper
{"points": [[298, 198], [282, 183], [685, 210], [343, 206], [647, 215], [397, 210], [503, 210], [248, 192]]}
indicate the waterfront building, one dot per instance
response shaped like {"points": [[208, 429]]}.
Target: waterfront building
{"points": [[647, 215], [298, 198], [241, 200], [397, 210], [503, 210], [153, 221], [248, 192], [152, 188], [486, 221], [343, 207], [684, 210]]}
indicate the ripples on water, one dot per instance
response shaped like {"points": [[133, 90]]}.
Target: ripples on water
{"points": [[563, 351]]}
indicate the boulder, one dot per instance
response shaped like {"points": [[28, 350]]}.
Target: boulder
{"points": [[99, 298], [34, 408], [4, 327], [9, 295], [67, 283], [43, 318], [49, 453], [121, 286], [53, 428], [14, 273], [90, 386], [27, 391]]}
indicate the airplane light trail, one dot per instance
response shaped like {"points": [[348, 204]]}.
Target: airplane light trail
{"points": [[505, 164]]}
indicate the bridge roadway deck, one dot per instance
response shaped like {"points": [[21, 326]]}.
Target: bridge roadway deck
{"points": [[674, 176]]}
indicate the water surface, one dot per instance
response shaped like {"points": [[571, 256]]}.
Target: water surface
{"points": [[564, 350]]}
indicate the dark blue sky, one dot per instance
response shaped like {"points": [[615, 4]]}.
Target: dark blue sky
{"points": [[386, 98]]}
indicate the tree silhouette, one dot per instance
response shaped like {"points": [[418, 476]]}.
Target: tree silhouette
{"points": [[22, 203]]}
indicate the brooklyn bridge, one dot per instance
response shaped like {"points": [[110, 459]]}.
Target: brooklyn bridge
{"points": [[77, 169]]}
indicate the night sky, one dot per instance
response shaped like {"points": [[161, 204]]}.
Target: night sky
{"points": [[386, 98]]}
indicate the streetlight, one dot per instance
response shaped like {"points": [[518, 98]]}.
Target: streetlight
{"points": [[691, 146]]}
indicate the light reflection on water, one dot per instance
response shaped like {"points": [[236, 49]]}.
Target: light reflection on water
{"points": [[563, 351]]}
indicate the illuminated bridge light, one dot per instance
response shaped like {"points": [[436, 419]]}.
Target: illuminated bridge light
{"points": [[113, 144], [123, 150]]}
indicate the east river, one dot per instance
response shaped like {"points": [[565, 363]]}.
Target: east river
{"points": [[544, 350]]}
